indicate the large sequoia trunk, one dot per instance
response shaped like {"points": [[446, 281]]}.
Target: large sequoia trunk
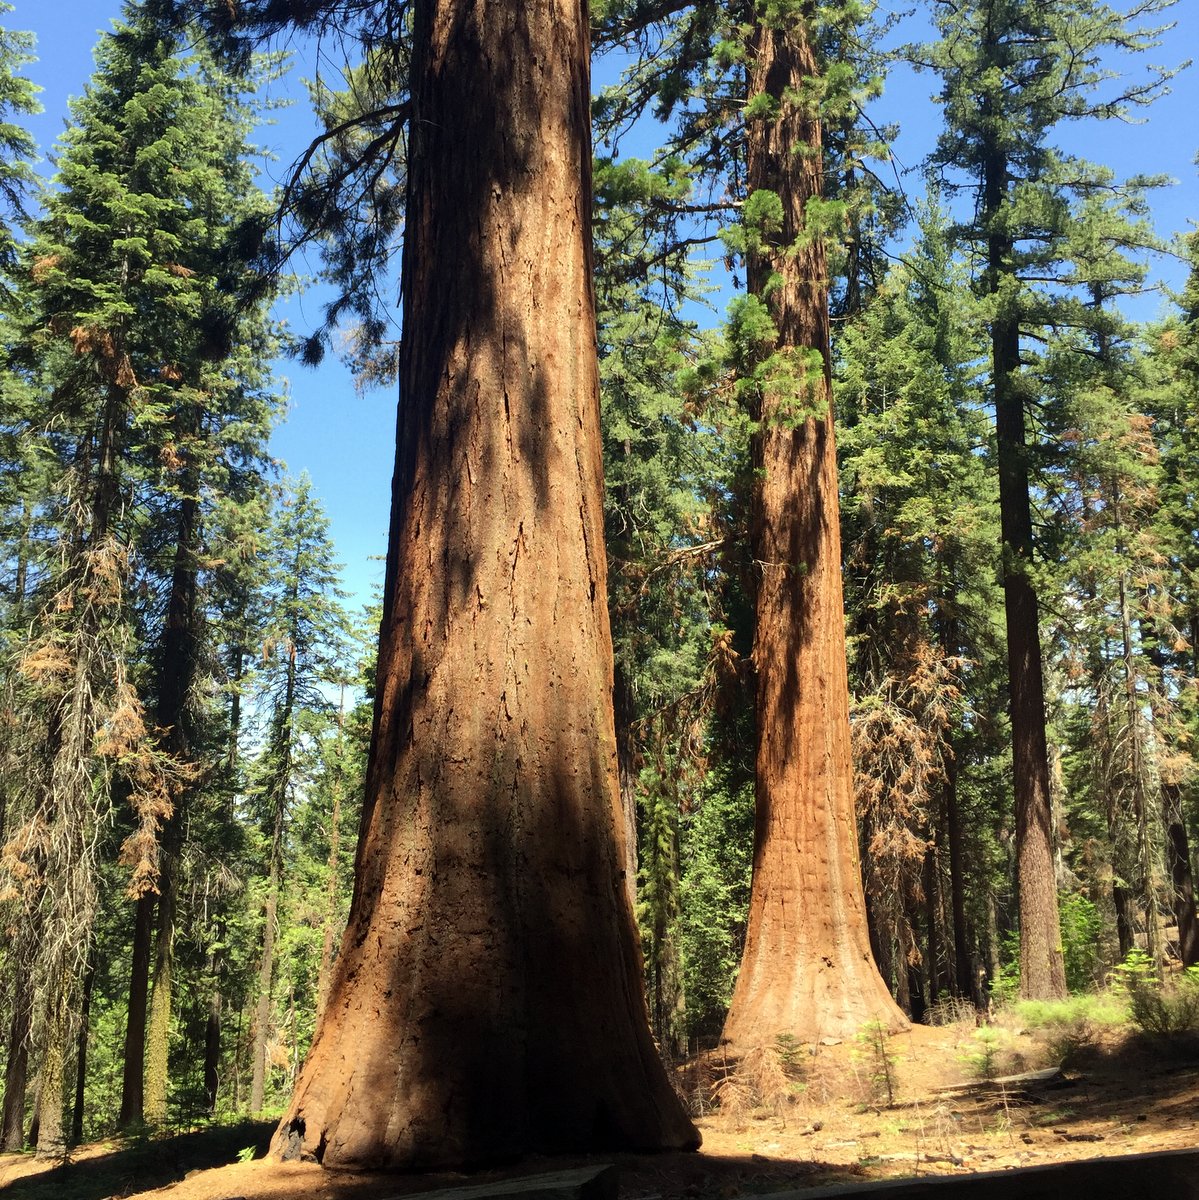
{"points": [[487, 1001], [807, 968]]}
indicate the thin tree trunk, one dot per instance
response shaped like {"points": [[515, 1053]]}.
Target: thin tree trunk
{"points": [[917, 1002], [85, 1015], [332, 864], [266, 967], [626, 764], [487, 1001], [212, 1038], [807, 969], [900, 972], [1042, 965], [176, 675], [994, 964], [965, 980], [1178, 850], [35, 1120], [1178, 853], [238, 1051], [1125, 924], [1137, 769], [133, 1074], [16, 1069], [932, 918]]}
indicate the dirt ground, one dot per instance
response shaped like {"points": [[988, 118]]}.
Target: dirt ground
{"points": [[826, 1119]]}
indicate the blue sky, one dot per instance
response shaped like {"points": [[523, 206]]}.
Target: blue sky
{"points": [[345, 441]]}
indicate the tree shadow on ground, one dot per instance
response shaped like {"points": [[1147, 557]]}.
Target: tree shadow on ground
{"points": [[1108, 1095], [138, 1164]]}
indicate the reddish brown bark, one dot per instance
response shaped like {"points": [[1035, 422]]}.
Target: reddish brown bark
{"points": [[807, 969], [487, 1000]]}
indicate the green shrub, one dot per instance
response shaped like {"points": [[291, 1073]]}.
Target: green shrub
{"points": [[985, 1058], [1164, 1008], [1006, 986], [1081, 927], [1063, 1028]]}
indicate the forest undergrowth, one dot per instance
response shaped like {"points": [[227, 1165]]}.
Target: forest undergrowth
{"points": [[1035, 1083]]}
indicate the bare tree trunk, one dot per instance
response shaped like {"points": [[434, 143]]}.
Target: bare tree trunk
{"points": [[965, 981], [1122, 902], [932, 918], [85, 1014], [626, 763], [994, 964], [1178, 850], [332, 880], [51, 1137], [176, 675], [238, 1048], [487, 1001], [266, 967], [1138, 768], [212, 1038], [807, 969], [133, 1072], [16, 1069], [158, 1028], [1042, 965], [1178, 853]]}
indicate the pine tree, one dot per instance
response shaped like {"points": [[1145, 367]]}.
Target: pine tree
{"points": [[304, 641], [1011, 72], [18, 481], [18, 99], [919, 557], [131, 294]]}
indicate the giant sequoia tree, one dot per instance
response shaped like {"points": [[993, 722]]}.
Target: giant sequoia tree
{"points": [[487, 998], [747, 96], [808, 969]]}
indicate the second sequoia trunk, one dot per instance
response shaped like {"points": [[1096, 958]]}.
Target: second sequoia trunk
{"points": [[487, 1000], [807, 970]]}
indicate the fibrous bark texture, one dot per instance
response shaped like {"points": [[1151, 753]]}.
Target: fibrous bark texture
{"points": [[807, 969], [487, 1001]]}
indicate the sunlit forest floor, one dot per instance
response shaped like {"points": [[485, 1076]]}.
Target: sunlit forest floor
{"points": [[825, 1119]]}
